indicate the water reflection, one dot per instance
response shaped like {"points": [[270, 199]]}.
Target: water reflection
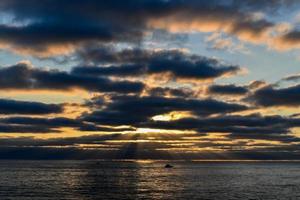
{"points": [[125, 180], [91, 180], [108, 180]]}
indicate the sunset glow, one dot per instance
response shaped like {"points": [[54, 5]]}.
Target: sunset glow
{"points": [[150, 79]]}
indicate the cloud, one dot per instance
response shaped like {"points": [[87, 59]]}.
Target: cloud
{"points": [[142, 62], [218, 41], [270, 96], [45, 39], [264, 5], [215, 18], [171, 92], [8, 106], [27, 153], [23, 76], [289, 40], [138, 90], [295, 77], [4, 128], [55, 27], [33, 148], [50, 125], [53, 122], [252, 127], [131, 110], [227, 89], [255, 120], [68, 141], [253, 85]]}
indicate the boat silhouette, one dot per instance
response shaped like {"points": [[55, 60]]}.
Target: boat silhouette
{"points": [[168, 166]]}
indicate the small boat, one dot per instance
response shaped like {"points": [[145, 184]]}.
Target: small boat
{"points": [[168, 166]]}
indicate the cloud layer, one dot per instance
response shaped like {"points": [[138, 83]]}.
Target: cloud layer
{"points": [[132, 95], [56, 27]]}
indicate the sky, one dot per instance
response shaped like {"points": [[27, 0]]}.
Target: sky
{"points": [[150, 79]]}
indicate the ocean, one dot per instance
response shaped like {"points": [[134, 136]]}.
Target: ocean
{"points": [[89, 180]]}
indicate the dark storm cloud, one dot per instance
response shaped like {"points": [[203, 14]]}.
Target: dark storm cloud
{"points": [[22, 76], [140, 62], [46, 23], [227, 89], [130, 110], [270, 96], [8, 106]]}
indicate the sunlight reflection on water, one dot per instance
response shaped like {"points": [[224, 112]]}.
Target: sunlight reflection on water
{"points": [[84, 180]]}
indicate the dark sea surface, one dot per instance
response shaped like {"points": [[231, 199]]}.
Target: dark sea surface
{"points": [[84, 180]]}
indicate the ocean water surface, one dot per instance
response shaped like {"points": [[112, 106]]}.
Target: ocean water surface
{"points": [[89, 180]]}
